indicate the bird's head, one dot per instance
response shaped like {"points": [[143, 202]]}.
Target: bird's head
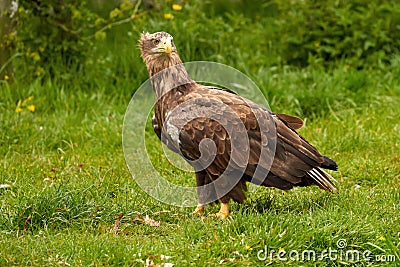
{"points": [[159, 52], [157, 45]]}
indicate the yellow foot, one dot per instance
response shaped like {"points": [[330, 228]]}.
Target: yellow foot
{"points": [[222, 215], [223, 212], [199, 210]]}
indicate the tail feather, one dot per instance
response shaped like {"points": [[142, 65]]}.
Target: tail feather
{"points": [[322, 179], [329, 164]]}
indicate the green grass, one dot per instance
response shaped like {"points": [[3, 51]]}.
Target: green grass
{"points": [[69, 182]]}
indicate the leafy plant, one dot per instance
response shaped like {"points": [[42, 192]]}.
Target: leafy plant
{"points": [[51, 33], [359, 32]]}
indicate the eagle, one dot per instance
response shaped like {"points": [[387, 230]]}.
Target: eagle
{"points": [[227, 139]]}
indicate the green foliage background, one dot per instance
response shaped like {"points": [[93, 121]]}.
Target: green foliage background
{"points": [[63, 178], [65, 39], [361, 33]]}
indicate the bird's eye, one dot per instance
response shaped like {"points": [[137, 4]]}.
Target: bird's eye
{"points": [[156, 41]]}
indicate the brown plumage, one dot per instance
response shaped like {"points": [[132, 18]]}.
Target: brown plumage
{"points": [[188, 115]]}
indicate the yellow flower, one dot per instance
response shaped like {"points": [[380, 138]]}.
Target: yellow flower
{"points": [[31, 108], [176, 7], [168, 16], [382, 238], [18, 108], [6, 77], [248, 248]]}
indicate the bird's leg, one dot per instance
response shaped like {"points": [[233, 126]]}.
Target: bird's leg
{"points": [[199, 209], [201, 180], [223, 212]]}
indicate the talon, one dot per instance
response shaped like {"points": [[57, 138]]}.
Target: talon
{"points": [[199, 210], [222, 215], [223, 212]]}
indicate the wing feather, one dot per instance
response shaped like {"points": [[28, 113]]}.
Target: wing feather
{"points": [[277, 156]]}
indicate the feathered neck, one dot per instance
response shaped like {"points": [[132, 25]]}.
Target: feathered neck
{"points": [[167, 73], [157, 63]]}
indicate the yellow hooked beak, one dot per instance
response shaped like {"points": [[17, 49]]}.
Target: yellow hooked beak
{"points": [[166, 46]]}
